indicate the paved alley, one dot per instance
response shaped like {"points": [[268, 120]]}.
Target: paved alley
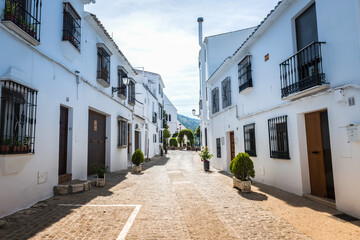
{"points": [[173, 198]]}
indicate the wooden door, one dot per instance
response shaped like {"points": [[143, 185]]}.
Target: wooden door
{"points": [[315, 154], [137, 140], [63, 140], [232, 145], [96, 141]]}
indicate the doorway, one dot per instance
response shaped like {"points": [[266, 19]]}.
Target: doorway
{"points": [[232, 146], [137, 140], [96, 141], [319, 154], [63, 145]]}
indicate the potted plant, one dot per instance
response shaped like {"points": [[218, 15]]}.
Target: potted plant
{"points": [[243, 168], [100, 171], [5, 146], [9, 11], [137, 158], [173, 143], [205, 157]]}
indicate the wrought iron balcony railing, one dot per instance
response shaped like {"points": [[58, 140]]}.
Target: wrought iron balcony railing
{"points": [[302, 71], [25, 14]]}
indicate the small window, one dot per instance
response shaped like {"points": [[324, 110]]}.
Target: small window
{"points": [[122, 134], [160, 136], [103, 71], [215, 100], [17, 118], [131, 99], [244, 73], [226, 92], [278, 138], [122, 87], [71, 26], [169, 117], [249, 139], [154, 138], [218, 147]]}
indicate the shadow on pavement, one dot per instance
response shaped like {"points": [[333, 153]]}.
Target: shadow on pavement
{"points": [[254, 196]]}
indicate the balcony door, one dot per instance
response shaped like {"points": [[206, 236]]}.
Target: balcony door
{"points": [[308, 58]]}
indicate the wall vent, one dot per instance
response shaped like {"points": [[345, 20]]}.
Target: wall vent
{"points": [[351, 101]]}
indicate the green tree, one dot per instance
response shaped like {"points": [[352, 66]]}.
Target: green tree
{"points": [[242, 167], [173, 142], [189, 134], [197, 131], [137, 157]]}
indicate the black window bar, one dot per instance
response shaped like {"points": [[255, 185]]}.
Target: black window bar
{"points": [[278, 138], [215, 100], [249, 139], [103, 65], [25, 14], [121, 90], [71, 26], [218, 148], [154, 117], [226, 92], [18, 118], [122, 133], [131, 99], [244, 73], [303, 70]]}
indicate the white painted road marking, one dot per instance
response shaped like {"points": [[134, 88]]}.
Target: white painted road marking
{"points": [[129, 222]]}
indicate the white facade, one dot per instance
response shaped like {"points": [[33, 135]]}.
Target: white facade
{"points": [[273, 42], [171, 112], [66, 77]]}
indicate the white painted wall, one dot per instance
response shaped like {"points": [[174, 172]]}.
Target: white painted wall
{"points": [[171, 110], [341, 58]]}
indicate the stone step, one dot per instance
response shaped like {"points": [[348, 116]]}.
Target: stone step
{"points": [[74, 186]]}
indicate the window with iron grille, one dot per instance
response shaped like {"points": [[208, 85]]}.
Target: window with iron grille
{"points": [[122, 86], [131, 98], [160, 136], [169, 117], [278, 138], [18, 118], [154, 138], [103, 63], [122, 133], [249, 139], [215, 100], [26, 14], [71, 26], [218, 147], [244, 73], [226, 92]]}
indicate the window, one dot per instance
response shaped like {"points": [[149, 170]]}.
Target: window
{"points": [[25, 14], [215, 100], [306, 28], [122, 134], [17, 119], [71, 26], [169, 117], [160, 136], [218, 147], [278, 138], [131, 98], [122, 87], [226, 92], [244, 73], [103, 63], [154, 138], [249, 139]]}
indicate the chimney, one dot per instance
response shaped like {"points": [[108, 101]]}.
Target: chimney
{"points": [[200, 20]]}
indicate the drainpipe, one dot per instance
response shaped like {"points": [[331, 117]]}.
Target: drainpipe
{"points": [[202, 76]]}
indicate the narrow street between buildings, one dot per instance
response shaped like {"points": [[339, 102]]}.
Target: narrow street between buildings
{"points": [[173, 198]]}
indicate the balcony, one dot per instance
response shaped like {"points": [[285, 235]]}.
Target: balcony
{"points": [[23, 17], [121, 92], [302, 74], [154, 117]]}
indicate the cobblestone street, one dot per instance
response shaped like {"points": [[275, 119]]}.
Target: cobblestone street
{"points": [[173, 198]]}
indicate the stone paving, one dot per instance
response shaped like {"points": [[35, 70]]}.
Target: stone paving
{"points": [[178, 201]]}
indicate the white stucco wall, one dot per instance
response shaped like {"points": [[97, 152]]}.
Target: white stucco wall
{"points": [[171, 110]]}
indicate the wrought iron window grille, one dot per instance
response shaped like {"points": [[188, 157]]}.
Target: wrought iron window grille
{"points": [[103, 71], [131, 99], [303, 70], [71, 26], [25, 14], [250, 140], [244, 73], [122, 133], [218, 147], [226, 92], [18, 118], [278, 138], [215, 100]]}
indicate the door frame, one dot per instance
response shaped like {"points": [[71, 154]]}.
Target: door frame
{"points": [[68, 175]]}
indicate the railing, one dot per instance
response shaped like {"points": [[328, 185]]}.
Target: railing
{"points": [[131, 99], [103, 74], [154, 117], [25, 14], [72, 27], [303, 70]]}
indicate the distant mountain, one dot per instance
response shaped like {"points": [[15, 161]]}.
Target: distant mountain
{"points": [[189, 123]]}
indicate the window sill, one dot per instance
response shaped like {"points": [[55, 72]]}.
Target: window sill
{"points": [[122, 146], [12, 26], [103, 82], [222, 110], [246, 90], [14, 163], [121, 96]]}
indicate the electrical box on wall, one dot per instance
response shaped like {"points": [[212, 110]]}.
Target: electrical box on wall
{"points": [[353, 131]]}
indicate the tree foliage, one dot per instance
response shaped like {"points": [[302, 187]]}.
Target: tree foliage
{"points": [[188, 133], [197, 131], [166, 133], [137, 157], [242, 167], [173, 142], [175, 134]]}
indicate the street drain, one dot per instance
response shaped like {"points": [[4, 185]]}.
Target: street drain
{"points": [[346, 217]]}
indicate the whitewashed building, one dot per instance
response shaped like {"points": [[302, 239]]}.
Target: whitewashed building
{"points": [[289, 96], [171, 112], [70, 100]]}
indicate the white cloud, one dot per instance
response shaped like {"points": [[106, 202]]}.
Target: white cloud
{"points": [[161, 35]]}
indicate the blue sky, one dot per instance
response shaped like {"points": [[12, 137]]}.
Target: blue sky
{"points": [[162, 37]]}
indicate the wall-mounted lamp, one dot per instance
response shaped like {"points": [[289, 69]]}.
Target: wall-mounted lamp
{"points": [[194, 113], [125, 81]]}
